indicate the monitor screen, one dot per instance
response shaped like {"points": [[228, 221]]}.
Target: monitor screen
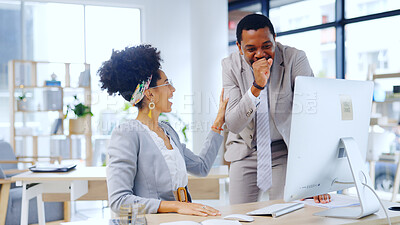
{"points": [[324, 112]]}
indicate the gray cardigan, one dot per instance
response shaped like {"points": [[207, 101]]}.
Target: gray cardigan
{"points": [[137, 171]]}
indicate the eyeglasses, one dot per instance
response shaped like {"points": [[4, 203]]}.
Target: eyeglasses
{"points": [[169, 82]]}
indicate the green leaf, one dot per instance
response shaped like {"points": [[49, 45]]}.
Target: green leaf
{"points": [[80, 110]]}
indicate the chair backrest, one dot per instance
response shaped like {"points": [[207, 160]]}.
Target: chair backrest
{"points": [[2, 175], [7, 154]]}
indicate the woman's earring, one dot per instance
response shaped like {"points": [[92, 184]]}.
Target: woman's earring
{"points": [[151, 106]]}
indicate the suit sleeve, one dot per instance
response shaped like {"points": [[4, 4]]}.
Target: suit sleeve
{"points": [[301, 67], [121, 171], [240, 109], [199, 165]]}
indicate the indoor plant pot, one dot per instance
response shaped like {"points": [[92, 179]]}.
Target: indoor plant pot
{"points": [[79, 125], [22, 105]]}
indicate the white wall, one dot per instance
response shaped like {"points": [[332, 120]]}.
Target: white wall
{"points": [[209, 46], [192, 37], [166, 25]]}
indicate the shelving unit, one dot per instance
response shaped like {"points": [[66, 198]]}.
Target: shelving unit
{"points": [[390, 124], [28, 77]]}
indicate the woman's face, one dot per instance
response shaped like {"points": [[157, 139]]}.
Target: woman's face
{"points": [[162, 93]]}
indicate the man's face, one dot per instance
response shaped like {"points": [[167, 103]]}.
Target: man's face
{"points": [[257, 44]]}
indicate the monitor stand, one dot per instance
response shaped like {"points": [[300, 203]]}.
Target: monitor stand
{"points": [[368, 202]]}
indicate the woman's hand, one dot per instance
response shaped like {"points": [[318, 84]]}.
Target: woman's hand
{"points": [[325, 198], [220, 120], [187, 208], [197, 209]]}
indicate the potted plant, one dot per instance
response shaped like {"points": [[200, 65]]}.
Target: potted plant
{"points": [[22, 103], [81, 124]]}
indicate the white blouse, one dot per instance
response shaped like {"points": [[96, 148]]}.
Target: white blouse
{"points": [[175, 162]]}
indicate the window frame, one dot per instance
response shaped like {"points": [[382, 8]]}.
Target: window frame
{"points": [[339, 24]]}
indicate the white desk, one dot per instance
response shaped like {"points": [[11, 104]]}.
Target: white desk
{"points": [[302, 216], [90, 183], [71, 185]]}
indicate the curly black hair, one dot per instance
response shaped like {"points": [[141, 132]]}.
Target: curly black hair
{"points": [[127, 68]]}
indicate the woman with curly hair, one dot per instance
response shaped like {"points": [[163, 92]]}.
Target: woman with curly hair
{"points": [[147, 162]]}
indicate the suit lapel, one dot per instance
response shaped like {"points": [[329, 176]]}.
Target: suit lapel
{"points": [[247, 75], [276, 79]]}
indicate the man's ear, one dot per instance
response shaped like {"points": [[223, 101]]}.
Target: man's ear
{"points": [[239, 47]]}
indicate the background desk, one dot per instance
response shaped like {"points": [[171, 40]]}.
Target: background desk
{"points": [[299, 217], [84, 183], [212, 186], [90, 183]]}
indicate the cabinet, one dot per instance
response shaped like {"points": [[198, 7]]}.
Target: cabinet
{"points": [[38, 100], [387, 105]]}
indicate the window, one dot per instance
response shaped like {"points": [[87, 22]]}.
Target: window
{"points": [[302, 14], [54, 32], [10, 45], [372, 46], [319, 46], [347, 46], [356, 8], [10, 14], [64, 33]]}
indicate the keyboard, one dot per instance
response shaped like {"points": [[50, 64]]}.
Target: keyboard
{"points": [[277, 209]]}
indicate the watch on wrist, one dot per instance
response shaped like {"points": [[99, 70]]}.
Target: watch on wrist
{"points": [[258, 86]]}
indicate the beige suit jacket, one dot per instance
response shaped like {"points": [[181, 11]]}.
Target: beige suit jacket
{"points": [[237, 78]]}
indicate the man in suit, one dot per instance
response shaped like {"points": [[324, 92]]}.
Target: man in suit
{"points": [[261, 64]]}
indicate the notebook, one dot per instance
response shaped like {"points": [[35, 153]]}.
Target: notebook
{"points": [[277, 209], [52, 168]]}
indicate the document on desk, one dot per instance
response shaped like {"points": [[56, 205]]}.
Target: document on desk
{"points": [[337, 201], [205, 222]]}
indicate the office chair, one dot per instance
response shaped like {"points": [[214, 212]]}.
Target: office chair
{"points": [[11, 196]]}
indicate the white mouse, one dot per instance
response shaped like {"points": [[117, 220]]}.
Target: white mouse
{"points": [[240, 217]]}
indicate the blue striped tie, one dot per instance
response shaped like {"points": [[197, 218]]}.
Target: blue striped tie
{"points": [[264, 169]]}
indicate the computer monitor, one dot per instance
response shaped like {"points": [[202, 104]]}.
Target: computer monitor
{"points": [[329, 132]]}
